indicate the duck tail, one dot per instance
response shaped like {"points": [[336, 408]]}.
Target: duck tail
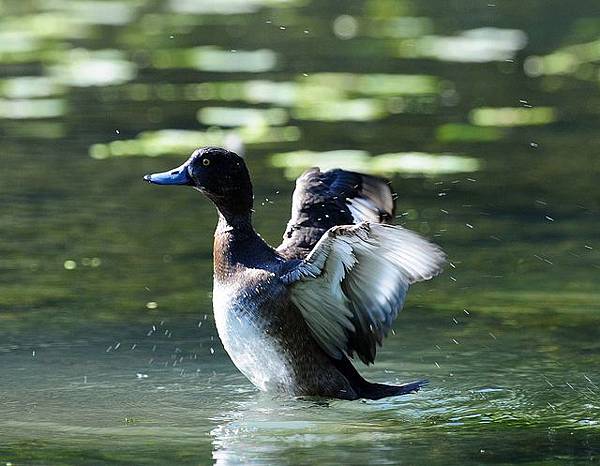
{"points": [[376, 391]]}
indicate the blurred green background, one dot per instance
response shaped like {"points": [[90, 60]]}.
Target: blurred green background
{"points": [[484, 114]]}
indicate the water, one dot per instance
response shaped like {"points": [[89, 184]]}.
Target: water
{"points": [[108, 350]]}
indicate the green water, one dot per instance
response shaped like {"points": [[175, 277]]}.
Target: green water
{"points": [[108, 350]]}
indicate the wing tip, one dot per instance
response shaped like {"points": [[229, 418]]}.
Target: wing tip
{"points": [[424, 259]]}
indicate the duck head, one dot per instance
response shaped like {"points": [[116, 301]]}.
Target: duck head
{"points": [[219, 174]]}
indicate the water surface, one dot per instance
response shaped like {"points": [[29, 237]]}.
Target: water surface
{"points": [[485, 117]]}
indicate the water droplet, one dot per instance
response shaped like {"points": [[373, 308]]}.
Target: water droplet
{"points": [[345, 27], [70, 264]]}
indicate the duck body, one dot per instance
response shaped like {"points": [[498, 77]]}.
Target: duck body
{"points": [[290, 318], [261, 329]]}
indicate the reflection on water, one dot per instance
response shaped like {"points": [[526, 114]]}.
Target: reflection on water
{"points": [[213, 59], [31, 109], [513, 116], [231, 116], [82, 68], [178, 142], [484, 116], [385, 164], [476, 45]]}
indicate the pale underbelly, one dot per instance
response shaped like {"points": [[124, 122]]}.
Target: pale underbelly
{"points": [[255, 353]]}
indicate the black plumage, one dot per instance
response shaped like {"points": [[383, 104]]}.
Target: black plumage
{"points": [[323, 200]]}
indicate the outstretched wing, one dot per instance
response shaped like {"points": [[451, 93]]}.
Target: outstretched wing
{"points": [[352, 285], [336, 197]]}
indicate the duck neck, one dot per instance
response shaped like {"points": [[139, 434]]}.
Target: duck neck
{"points": [[235, 224], [234, 234], [237, 246], [234, 205]]}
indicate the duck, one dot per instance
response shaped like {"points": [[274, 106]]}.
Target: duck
{"points": [[291, 318]]}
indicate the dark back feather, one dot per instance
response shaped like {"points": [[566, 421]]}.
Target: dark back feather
{"points": [[335, 197]]}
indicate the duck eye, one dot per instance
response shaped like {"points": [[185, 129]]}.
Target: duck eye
{"points": [[205, 162]]}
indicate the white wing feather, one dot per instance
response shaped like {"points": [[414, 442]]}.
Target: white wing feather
{"points": [[354, 281], [363, 210]]}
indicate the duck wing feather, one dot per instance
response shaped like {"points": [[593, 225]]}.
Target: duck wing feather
{"points": [[323, 200], [353, 283]]}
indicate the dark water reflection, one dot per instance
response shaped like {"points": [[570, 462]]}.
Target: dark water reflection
{"points": [[485, 116]]}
